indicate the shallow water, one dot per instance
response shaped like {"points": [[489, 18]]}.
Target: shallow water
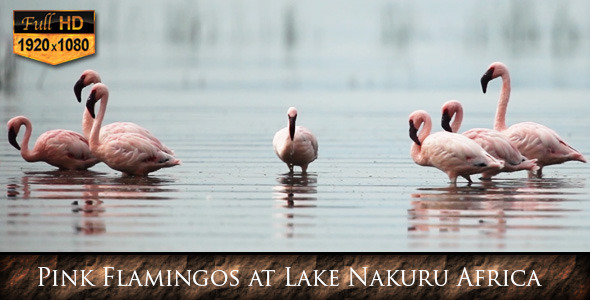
{"points": [[213, 80], [364, 193]]}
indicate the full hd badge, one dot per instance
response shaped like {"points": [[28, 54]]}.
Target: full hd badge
{"points": [[55, 36]]}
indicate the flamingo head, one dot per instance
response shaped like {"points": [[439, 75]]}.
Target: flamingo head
{"points": [[292, 114], [414, 133], [13, 127], [98, 91], [88, 77], [450, 109], [495, 70]]}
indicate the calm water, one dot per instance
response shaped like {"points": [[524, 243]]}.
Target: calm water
{"points": [[231, 193], [213, 80]]}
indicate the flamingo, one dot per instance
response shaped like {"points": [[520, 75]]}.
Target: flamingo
{"points": [[492, 141], [65, 149], [89, 77], [128, 152], [452, 153], [295, 145], [533, 140]]}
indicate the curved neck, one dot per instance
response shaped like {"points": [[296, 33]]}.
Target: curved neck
{"points": [[455, 109], [416, 150], [87, 122], [500, 120], [93, 141], [24, 149]]}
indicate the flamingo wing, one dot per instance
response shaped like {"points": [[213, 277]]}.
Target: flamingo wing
{"points": [[128, 127], [496, 144], [133, 154], [65, 149], [538, 141]]}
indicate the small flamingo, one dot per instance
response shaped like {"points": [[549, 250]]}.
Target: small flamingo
{"points": [[295, 145], [492, 141], [65, 149], [130, 153], [89, 77], [452, 153], [533, 140]]}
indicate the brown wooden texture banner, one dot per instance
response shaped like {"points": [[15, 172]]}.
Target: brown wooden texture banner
{"points": [[286, 276]]}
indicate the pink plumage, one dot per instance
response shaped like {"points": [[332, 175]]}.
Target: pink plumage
{"points": [[128, 152], [295, 145], [492, 141], [533, 140], [452, 153], [89, 77], [65, 149]]}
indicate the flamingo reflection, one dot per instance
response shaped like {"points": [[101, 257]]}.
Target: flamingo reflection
{"points": [[491, 209], [295, 191]]}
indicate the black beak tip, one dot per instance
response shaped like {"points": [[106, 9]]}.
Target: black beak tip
{"points": [[90, 104], [445, 122], [414, 134], [12, 138], [487, 77], [78, 89]]}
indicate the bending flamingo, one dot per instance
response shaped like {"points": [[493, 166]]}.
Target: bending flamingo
{"points": [[295, 145], [65, 149], [492, 141], [452, 153], [130, 153], [533, 140], [89, 77]]}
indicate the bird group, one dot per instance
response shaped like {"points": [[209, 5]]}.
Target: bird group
{"points": [[123, 146], [133, 150], [523, 146]]}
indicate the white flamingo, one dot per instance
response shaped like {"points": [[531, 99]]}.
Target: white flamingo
{"points": [[130, 153], [533, 140], [452, 153], [65, 149], [89, 77], [295, 145], [492, 141]]}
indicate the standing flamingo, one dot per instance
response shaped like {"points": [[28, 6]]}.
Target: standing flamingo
{"points": [[65, 149], [295, 145], [89, 77], [130, 153], [492, 141], [533, 140], [452, 153]]}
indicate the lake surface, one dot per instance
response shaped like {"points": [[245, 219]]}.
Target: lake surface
{"points": [[364, 193], [214, 79]]}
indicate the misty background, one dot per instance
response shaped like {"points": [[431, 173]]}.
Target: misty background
{"points": [[317, 45]]}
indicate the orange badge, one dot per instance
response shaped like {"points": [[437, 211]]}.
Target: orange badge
{"points": [[54, 37]]}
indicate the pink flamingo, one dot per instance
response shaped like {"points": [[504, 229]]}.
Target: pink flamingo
{"points": [[130, 153], [89, 77], [65, 149], [295, 145], [452, 153], [533, 140], [492, 141]]}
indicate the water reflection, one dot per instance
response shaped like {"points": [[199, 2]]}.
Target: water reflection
{"points": [[295, 190], [491, 208], [86, 193]]}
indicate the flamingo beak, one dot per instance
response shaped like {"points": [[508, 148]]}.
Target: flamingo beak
{"points": [[292, 126], [78, 88], [90, 103], [445, 121], [487, 77], [414, 134], [12, 138]]}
